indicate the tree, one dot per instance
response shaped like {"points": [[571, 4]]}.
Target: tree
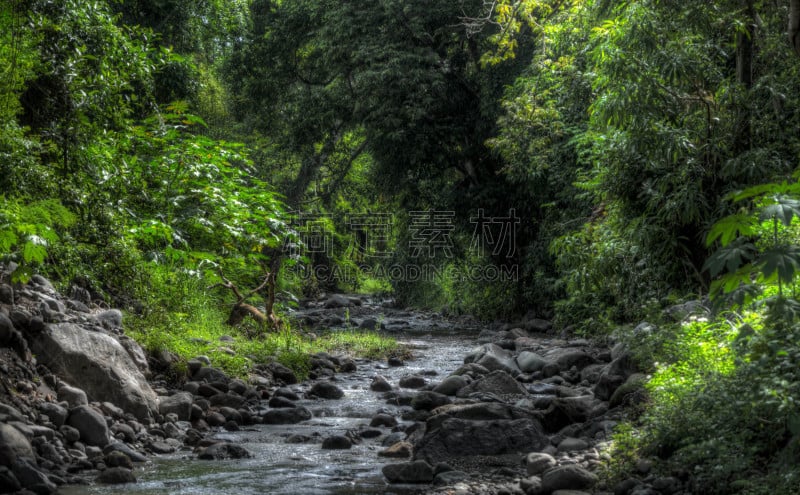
{"points": [[794, 25]]}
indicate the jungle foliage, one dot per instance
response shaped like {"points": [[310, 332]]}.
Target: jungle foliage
{"points": [[609, 158]]}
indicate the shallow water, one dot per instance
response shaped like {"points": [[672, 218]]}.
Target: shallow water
{"points": [[278, 467]]}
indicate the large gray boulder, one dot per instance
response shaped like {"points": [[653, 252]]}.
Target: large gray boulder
{"points": [[493, 357], [459, 437], [90, 424], [14, 445], [497, 382], [98, 364], [179, 404]]}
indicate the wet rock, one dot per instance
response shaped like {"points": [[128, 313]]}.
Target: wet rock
{"points": [[278, 402], [282, 373], [337, 442], [401, 450], [71, 435], [568, 477], [428, 400], [538, 462], [395, 362], [286, 416], [458, 437], [90, 424], [348, 366], [224, 450], [531, 485], [179, 404], [210, 375], [326, 390], [607, 385], [451, 385], [338, 301], [626, 486], [379, 384], [408, 472], [412, 381], [565, 411], [14, 445], [214, 418], [497, 382], [160, 448], [493, 358], [228, 399], [99, 363], [382, 419], [286, 393], [126, 450], [116, 476], [449, 477], [72, 395]]}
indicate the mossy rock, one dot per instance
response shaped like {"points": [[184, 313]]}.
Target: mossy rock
{"points": [[631, 392]]}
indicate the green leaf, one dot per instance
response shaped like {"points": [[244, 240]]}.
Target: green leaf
{"points": [[730, 257], [731, 227], [8, 239], [784, 209], [33, 252], [783, 261]]}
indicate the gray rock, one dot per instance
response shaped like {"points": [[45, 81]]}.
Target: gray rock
{"points": [[607, 385], [451, 385], [337, 442], [116, 476], [379, 384], [6, 294], [572, 445], [99, 363], [531, 485], [400, 449], [210, 375], [90, 424], [530, 362], [71, 434], [14, 445], [493, 357], [326, 390], [569, 477], [382, 419], [286, 416], [408, 472], [8, 482], [110, 319], [667, 485], [179, 404], [538, 462], [136, 353], [72, 395], [282, 373], [427, 400], [458, 437], [626, 486], [30, 477], [449, 477], [6, 329], [55, 412], [496, 382], [412, 381], [124, 449], [224, 451], [278, 402], [338, 301]]}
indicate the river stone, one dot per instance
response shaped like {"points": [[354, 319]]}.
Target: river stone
{"points": [[55, 412], [99, 363], [538, 462], [451, 385], [427, 400], [530, 362], [326, 390], [210, 375], [449, 477], [286, 393], [116, 475], [400, 449], [383, 419], [30, 477], [125, 450], [278, 402], [493, 357], [8, 482], [13, 445], [458, 437], [408, 472], [337, 442], [412, 381], [73, 396], [179, 404], [379, 384], [564, 411], [569, 477], [572, 445], [286, 416], [607, 385], [496, 382], [224, 450], [479, 411], [91, 425]]}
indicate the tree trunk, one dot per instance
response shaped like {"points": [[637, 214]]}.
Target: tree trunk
{"points": [[794, 25]]}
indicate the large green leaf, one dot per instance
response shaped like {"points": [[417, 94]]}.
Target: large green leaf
{"points": [[783, 209], [730, 257], [731, 227], [783, 261]]}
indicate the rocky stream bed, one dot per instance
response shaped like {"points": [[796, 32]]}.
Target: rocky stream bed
{"points": [[503, 409]]}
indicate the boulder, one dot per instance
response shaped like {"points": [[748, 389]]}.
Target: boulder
{"points": [[73, 396], [337, 442], [538, 462], [412, 381], [99, 363], [497, 382], [116, 476], [569, 477], [30, 477], [397, 450], [451, 385], [224, 450], [459, 437], [530, 362], [408, 472], [14, 445], [285, 416], [326, 390], [379, 384], [493, 357], [179, 404], [90, 424], [427, 400]]}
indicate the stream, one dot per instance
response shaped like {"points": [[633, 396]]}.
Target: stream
{"points": [[277, 467]]}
